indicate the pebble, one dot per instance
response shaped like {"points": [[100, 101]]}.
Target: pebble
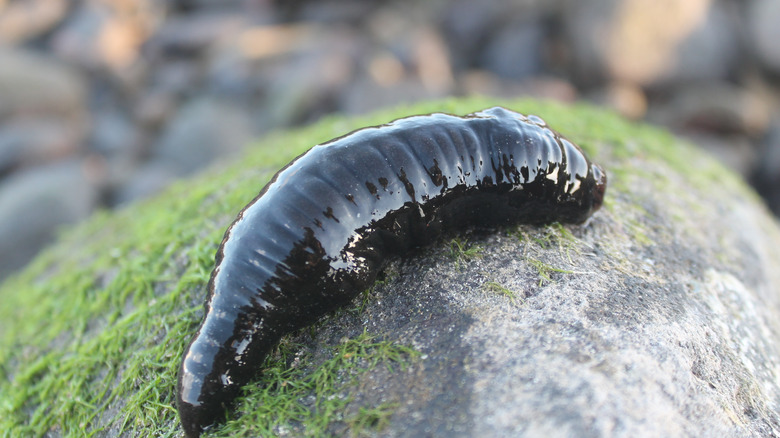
{"points": [[711, 50], [628, 99], [715, 107], [484, 83], [31, 83], [632, 41], [204, 130], [37, 140], [516, 50], [765, 175], [105, 37], [190, 35], [736, 151], [23, 21], [145, 181], [37, 201], [762, 26]]}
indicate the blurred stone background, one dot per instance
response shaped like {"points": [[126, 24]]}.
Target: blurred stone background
{"points": [[107, 101]]}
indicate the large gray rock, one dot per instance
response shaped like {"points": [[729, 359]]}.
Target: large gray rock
{"points": [[659, 317], [665, 324], [664, 321], [32, 83]]}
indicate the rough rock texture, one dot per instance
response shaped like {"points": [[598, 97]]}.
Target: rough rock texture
{"points": [[659, 317], [669, 332]]}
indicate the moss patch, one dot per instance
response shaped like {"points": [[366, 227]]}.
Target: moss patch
{"points": [[91, 333], [279, 401]]}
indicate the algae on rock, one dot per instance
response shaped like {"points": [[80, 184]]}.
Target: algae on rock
{"points": [[660, 316]]}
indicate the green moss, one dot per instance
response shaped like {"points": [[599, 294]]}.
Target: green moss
{"points": [[91, 333], [551, 236], [461, 251], [495, 287], [545, 270], [276, 401], [371, 420]]}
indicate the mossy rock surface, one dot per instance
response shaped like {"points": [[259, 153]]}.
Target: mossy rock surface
{"points": [[659, 317]]}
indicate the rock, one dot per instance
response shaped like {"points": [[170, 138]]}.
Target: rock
{"points": [[33, 141], [153, 109], [262, 56], [766, 169], [190, 35], [114, 133], [515, 51], [610, 40], [270, 68], [176, 78], [763, 16], [470, 26], [711, 51], [626, 98], [483, 83], [106, 37], [659, 317], [148, 180], [35, 203], [329, 11], [364, 95], [294, 96], [725, 119], [21, 21], [35, 84], [204, 130], [715, 107], [735, 151]]}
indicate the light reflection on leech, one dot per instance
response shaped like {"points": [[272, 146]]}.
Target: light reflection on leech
{"points": [[282, 250]]}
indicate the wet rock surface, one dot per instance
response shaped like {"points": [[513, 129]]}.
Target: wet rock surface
{"points": [[676, 336], [122, 84], [658, 317]]}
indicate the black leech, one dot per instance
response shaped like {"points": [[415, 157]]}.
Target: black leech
{"points": [[280, 267]]}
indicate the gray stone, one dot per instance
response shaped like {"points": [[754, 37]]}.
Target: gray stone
{"points": [[30, 141], [515, 51], [659, 317], [611, 40], [35, 203], [736, 151], [153, 109], [711, 50], [469, 25], [715, 107], [33, 83], [204, 130], [365, 94], [277, 72], [21, 21], [766, 172], [192, 34], [106, 38], [144, 182], [484, 83], [176, 77], [763, 16], [114, 133]]}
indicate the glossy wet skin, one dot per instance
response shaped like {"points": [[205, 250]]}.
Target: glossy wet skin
{"points": [[323, 228]]}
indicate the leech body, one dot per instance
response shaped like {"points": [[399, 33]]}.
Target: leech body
{"points": [[320, 232]]}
